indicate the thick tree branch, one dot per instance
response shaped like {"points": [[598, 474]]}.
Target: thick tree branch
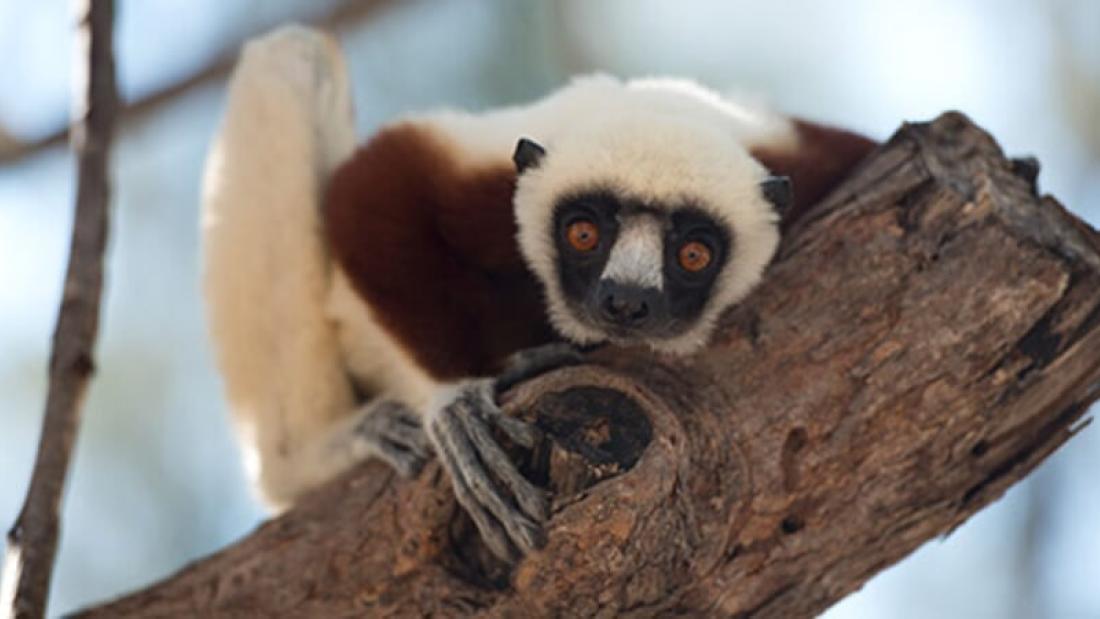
{"points": [[343, 15], [921, 343], [32, 540]]}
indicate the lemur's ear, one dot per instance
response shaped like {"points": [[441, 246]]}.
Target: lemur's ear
{"points": [[528, 154], [778, 191]]}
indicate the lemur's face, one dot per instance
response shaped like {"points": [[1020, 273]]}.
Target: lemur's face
{"points": [[635, 271], [643, 241]]}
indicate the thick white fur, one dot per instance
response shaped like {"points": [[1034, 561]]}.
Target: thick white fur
{"points": [[291, 335], [665, 141]]}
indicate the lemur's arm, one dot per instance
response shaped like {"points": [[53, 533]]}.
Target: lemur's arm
{"points": [[267, 275], [429, 246]]}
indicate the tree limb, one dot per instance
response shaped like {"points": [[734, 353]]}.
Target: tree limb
{"points": [[32, 540], [922, 342]]}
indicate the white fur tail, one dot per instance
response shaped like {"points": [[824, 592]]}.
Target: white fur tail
{"points": [[288, 123]]}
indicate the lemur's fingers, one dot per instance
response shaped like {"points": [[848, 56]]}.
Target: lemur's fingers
{"points": [[482, 410], [406, 463], [474, 461], [392, 432], [522, 530], [532, 362], [491, 531], [522, 433], [407, 431], [472, 488]]}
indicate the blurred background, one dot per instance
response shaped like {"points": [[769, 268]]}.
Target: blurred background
{"points": [[156, 480]]}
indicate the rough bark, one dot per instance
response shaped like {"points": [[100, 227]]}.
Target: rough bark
{"points": [[32, 540], [920, 344]]}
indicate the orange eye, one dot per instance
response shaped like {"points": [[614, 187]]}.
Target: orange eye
{"points": [[694, 256], [583, 235]]}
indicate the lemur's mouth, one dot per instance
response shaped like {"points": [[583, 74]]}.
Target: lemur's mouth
{"points": [[663, 331]]}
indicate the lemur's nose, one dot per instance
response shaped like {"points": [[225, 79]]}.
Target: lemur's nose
{"points": [[626, 305]]}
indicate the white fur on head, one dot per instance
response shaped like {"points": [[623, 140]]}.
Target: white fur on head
{"points": [[664, 144]]}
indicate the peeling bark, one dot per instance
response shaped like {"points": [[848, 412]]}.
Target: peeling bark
{"points": [[922, 342]]}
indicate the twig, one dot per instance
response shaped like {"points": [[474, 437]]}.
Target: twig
{"points": [[32, 540], [345, 13]]}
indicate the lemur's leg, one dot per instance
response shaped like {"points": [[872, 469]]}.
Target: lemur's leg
{"points": [[267, 275], [506, 508], [383, 429]]}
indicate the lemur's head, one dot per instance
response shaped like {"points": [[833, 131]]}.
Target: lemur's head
{"points": [[644, 229]]}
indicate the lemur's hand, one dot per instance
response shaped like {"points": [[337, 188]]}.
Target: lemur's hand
{"points": [[532, 362], [506, 508]]}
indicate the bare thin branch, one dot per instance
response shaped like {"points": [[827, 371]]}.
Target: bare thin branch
{"points": [[344, 15], [32, 541]]}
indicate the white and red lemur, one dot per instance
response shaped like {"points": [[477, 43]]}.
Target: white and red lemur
{"points": [[372, 301]]}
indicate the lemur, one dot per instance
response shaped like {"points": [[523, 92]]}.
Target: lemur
{"points": [[372, 301]]}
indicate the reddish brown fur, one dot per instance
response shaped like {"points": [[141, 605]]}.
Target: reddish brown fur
{"points": [[824, 157], [432, 248]]}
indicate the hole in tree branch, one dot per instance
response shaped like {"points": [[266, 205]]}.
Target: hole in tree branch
{"points": [[791, 524], [980, 448], [601, 425]]}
